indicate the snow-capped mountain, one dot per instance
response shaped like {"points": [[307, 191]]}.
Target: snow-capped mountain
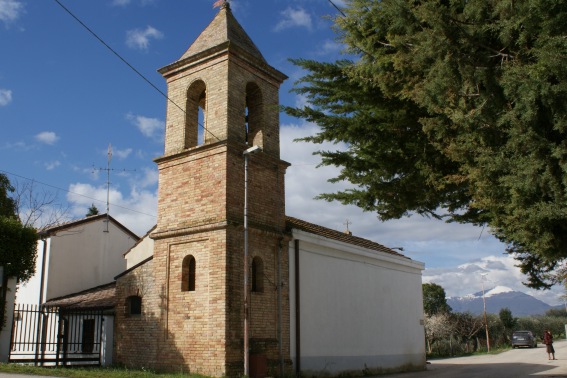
{"points": [[520, 304]]}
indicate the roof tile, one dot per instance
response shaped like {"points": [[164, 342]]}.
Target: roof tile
{"points": [[100, 297], [299, 224]]}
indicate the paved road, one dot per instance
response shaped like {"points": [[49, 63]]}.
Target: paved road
{"points": [[515, 363]]}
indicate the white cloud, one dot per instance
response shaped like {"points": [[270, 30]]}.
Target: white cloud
{"points": [[140, 39], [150, 127], [301, 101], [120, 154], [294, 18], [149, 178], [10, 10], [135, 210], [5, 96], [497, 270], [52, 165], [329, 47], [18, 146], [47, 137]]}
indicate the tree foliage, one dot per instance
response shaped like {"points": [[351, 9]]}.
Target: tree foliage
{"points": [[467, 326], [17, 248], [437, 327], [509, 322], [507, 319], [434, 300], [93, 210], [7, 204], [556, 312], [452, 109], [17, 241]]}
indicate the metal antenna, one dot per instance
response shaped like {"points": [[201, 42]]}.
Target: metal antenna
{"points": [[108, 169], [108, 183]]}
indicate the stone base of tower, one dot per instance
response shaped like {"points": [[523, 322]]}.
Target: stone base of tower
{"points": [[199, 328], [179, 329]]}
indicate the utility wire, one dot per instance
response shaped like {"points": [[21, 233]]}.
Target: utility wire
{"points": [[345, 16], [126, 62], [77, 194], [337, 8]]}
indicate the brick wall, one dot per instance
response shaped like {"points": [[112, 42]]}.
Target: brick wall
{"points": [[133, 335]]}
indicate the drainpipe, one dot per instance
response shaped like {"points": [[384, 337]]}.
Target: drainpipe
{"points": [[246, 153], [40, 301], [297, 313], [279, 288], [43, 263]]}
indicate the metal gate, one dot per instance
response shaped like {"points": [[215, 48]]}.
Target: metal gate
{"points": [[54, 336]]}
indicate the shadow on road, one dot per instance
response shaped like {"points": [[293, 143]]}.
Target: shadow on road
{"points": [[444, 369]]}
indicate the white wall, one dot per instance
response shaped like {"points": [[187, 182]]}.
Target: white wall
{"points": [[28, 293], [86, 257], [79, 257], [140, 252], [358, 308]]}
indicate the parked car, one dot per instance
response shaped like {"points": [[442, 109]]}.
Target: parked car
{"points": [[523, 338]]}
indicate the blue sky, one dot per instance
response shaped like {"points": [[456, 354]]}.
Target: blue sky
{"points": [[64, 97]]}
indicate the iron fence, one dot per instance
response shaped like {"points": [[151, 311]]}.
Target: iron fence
{"points": [[56, 336]]}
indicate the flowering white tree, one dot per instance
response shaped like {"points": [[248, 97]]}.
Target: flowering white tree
{"points": [[437, 327]]}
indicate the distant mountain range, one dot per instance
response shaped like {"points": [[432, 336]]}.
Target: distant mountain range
{"points": [[520, 304]]}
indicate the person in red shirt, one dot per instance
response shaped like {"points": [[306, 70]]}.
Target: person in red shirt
{"points": [[548, 341]]}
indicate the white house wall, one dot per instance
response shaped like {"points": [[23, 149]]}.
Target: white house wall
{"points": [[86, 257], [78, 258], [358, 308], [28, 293], [140, 252]]}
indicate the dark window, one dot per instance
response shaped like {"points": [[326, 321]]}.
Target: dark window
{"points": [[134, 304], [188, 274], [88, 335], [257, 275]]}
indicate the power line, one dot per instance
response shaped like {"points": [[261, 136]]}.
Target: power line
{"points": [[77, 194], [128, 64], [345, 16], [337, 8]]}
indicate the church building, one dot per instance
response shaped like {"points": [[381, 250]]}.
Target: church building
{"points": [[226, 271]]}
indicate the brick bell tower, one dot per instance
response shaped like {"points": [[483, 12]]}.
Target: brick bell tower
{"points": [[224, 100]]}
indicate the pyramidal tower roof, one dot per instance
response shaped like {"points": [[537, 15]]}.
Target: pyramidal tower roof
{"points": [[223, 29]]}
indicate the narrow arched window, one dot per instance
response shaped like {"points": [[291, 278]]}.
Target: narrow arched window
{"points": [[254, 115], [196, 114], [257, 275], [188, 274], [133, 305]]}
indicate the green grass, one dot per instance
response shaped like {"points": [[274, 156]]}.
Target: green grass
{"points": [[94, 372]]}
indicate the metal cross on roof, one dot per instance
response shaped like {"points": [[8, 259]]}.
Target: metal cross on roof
{"points": [[347, 223], [220, 3]]}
